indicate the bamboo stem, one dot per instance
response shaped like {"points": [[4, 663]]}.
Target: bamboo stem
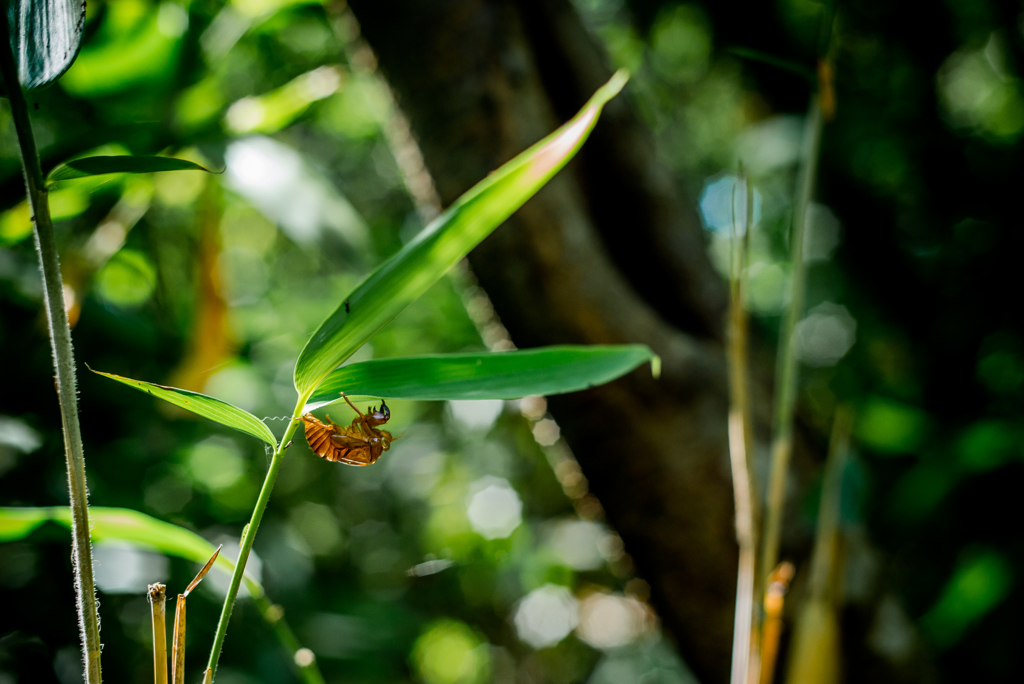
{"points": [[816, 651], [823, 557], [249, 536], [771, 631], [63, 360], [178, 653], [158, 603], [744, 647], [786, 368]]}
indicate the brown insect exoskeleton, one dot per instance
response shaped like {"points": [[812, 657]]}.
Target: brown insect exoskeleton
{"points": [[358, 444]]}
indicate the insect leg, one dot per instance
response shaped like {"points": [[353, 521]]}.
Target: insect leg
{"points": [[351, 404]]}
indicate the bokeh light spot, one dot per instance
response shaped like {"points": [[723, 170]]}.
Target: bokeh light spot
{"points": [[493, 508], [127, 280], [611, 620], [546, 616], [449, 652]]}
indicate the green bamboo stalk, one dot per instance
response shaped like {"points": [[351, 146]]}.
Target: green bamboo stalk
{"points": [[786, 373], [249, 536], [63, 360]]}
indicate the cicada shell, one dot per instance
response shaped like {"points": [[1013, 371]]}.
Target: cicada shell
{"points": [[358, 444]]}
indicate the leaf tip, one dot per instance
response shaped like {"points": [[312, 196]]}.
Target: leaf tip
{"points": [[616, 83], [202, 573], [655, 366]]}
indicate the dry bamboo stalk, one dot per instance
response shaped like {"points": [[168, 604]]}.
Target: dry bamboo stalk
{"points": [[178, 664], [178, 672], [158, 602], [771, 631], [816, 651], [744, 647]]}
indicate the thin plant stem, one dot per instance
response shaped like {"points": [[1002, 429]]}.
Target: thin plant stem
{"points": [[740, 449], [786, 367], [158, 604], [249, 536], [303, 658], [63, 360]]}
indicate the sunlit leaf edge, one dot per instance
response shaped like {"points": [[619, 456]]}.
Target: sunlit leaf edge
{"points": [[202, 405], [408, 274], [485, 375]]}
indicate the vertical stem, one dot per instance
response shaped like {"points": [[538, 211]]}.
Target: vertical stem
{"points": [[63, 359], [303, 659], [786, 368], [158, 603], [249, 536], [771, 630], [740, 448], [178, 652], [823, 557]]}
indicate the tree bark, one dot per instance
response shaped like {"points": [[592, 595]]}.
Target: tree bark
{"points": [[609, 252]]}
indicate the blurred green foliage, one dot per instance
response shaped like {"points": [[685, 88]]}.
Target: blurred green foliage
{"points": [[412, 569], [213, 283]]}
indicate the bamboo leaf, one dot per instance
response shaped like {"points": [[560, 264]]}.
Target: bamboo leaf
{"points": [[126, 525], [102, 165], [502, 375], [202, 405], [45, 36], [18, 523], [408, 274]]}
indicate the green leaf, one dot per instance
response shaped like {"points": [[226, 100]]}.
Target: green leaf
{"points": [[501, 375], [18, 523], [407, 275], [45, 37], [126, 525], [98, 166], [202, 405]]}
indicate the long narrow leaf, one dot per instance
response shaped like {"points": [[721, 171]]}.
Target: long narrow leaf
{"points": [[99, 166], [202, 405], [502, 375], [18, 523], [122, 524], [408, 274], [45, 36]]}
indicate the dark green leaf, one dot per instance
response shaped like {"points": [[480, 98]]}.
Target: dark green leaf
{"points": [[408, 274], [45, 37], [98, 166], [501, 375], [202, 405]]}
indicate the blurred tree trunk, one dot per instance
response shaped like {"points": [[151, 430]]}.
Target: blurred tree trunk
{"points": [[609, 252]]}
